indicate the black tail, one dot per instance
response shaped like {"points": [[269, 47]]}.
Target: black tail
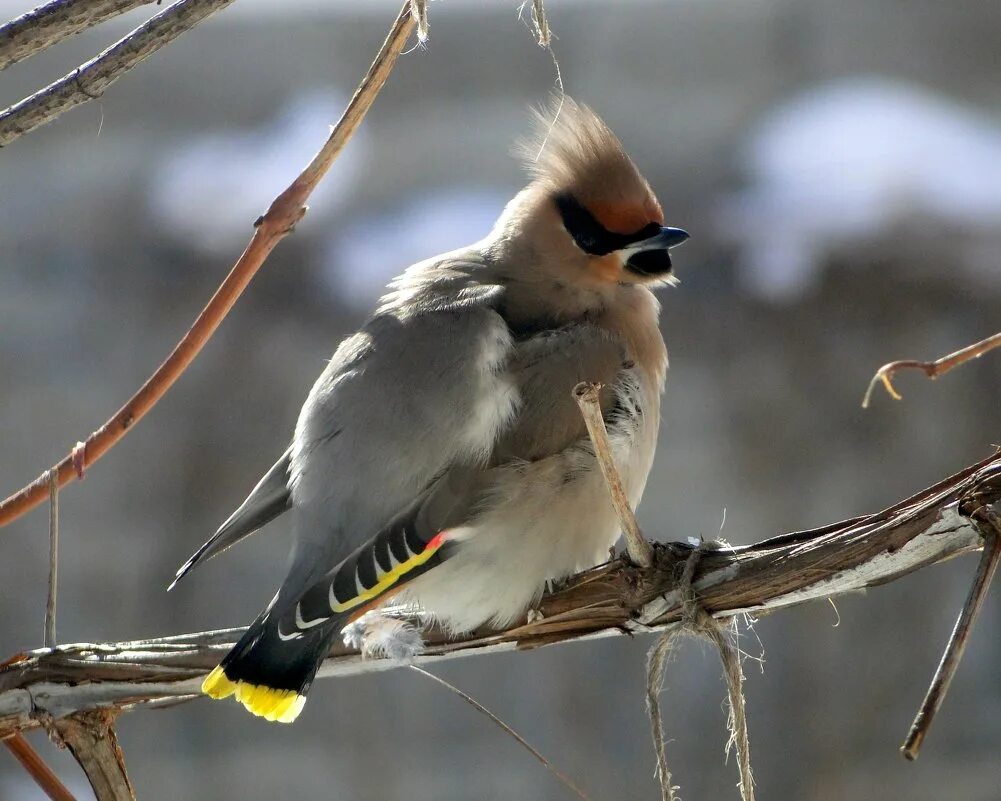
{"points": [[270, 674]]}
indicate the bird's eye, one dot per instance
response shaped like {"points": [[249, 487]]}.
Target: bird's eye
{"points": [[590, 235]]}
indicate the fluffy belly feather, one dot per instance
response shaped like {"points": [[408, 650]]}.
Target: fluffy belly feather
{"points": [[544, 520]]}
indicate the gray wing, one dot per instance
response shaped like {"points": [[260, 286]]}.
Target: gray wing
{"points": [[269, 498], [545, 369], [419, 390]]}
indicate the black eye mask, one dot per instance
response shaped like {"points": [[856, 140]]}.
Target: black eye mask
{"points": [[590, 235]]}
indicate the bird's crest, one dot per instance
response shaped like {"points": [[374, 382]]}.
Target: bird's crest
{"points": [[573, 151]]}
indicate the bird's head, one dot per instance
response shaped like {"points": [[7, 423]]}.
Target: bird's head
{"points": [[589, 213]]}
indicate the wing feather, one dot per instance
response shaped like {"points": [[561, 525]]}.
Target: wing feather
{"points": [[267, 500]]}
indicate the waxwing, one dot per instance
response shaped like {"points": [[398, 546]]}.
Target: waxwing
{"points": [[440, 459]]}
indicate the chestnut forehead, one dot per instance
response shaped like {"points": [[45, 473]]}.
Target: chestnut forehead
{"points": [[593, 234]]}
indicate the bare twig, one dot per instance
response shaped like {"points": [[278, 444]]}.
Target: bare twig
{"points": [[285, 211], [989, 560], [52, 22], [566, 780], [91, 739], [931, 369], [36, 767], [608, 600], [50, 604], [586, 395], [90, 80]]}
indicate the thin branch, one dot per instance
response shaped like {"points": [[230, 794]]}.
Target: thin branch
{"points": [[36, 767], [586, 395], [608, 600], [931, 369], [90, 80], [52, 22], [285, 211], [566, 780], [50, 604], [989, 560]]}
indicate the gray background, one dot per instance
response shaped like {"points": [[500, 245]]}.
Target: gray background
{"points": [[751, 121]]}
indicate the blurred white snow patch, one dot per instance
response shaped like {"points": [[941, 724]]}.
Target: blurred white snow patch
{"points": [[363, 256], [209, 190], [854, 159]]}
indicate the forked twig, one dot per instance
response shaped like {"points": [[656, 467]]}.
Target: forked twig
{"points": [[989, 560], [586, 394], [36, 767], [521, 740], [931, 369], [285, 211]]}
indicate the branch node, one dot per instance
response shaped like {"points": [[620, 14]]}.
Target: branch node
{"points": [[78, 457]]}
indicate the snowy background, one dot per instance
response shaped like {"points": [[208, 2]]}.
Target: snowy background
{"points": [[839, 168]]}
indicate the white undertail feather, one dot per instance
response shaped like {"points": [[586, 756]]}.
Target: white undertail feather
{"points": [[379, 636]]}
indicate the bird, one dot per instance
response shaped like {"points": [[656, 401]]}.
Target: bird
{"points": [[440, 459]]}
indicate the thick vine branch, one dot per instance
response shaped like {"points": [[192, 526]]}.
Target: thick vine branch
{"points": [[90, 80], [615, 598], [285, 211], [52, 22]]}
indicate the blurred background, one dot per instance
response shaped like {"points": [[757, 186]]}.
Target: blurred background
{"points": [[839, 167]]}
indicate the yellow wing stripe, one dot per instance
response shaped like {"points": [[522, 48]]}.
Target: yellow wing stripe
{"points": [[283, 706], [391, 577]]}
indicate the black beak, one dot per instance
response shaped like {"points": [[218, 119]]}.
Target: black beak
{"points": [[650, 256]]}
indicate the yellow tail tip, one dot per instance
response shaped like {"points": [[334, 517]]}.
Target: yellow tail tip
{"points": [[269, 703], [218, 685]]}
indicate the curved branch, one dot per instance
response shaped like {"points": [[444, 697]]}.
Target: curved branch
{"points": [[49, 24], [931, 369], [610, 599], [285, 211]]}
